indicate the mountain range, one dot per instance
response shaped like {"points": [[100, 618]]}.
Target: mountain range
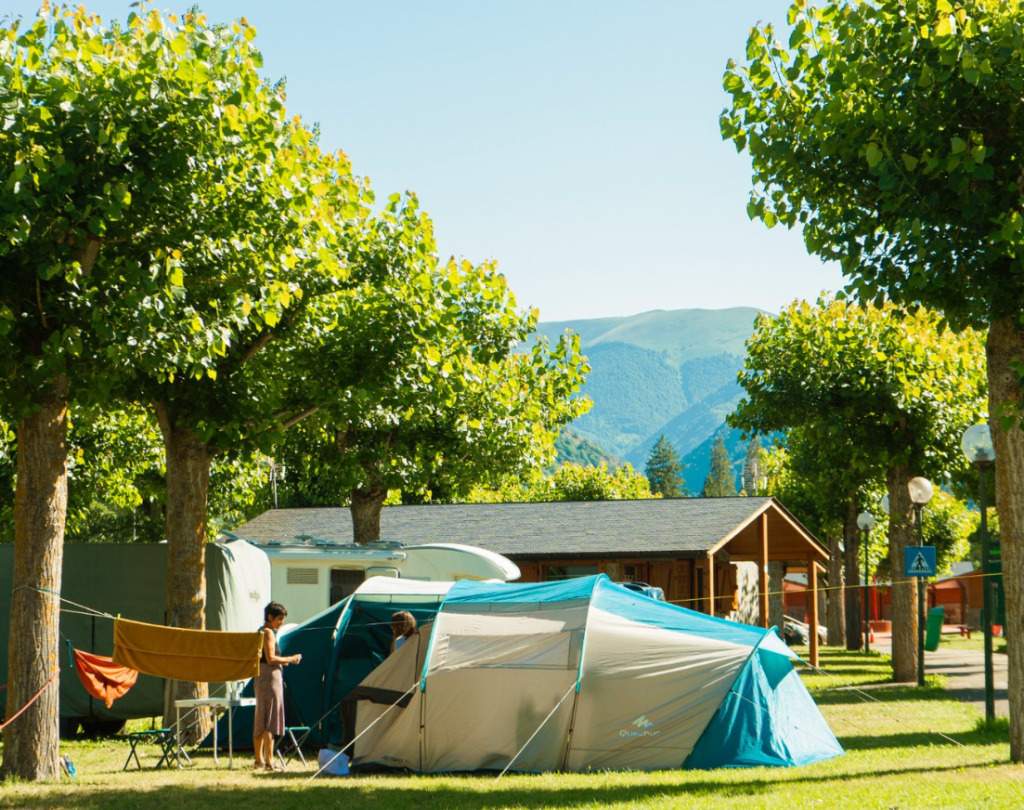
{"points": [[670, 372]]}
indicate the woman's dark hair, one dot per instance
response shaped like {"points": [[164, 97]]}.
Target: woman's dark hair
{"points": [[273, 610], [403, 623]]}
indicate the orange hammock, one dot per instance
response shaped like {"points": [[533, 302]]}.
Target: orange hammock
{"points": [[102, 678]]}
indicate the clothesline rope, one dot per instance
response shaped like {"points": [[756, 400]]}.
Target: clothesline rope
{"points": [[843, 587], [31, 700], [92, 611]]}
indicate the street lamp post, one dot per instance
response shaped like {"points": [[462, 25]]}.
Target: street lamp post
{"points": [[920, 493], [866, 522], [977, 446]]}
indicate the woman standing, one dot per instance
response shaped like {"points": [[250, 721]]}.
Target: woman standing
{"points": [[269, 687]]}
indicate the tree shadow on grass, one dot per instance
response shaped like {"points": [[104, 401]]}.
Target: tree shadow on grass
{"points": [[291, 792], [891, 694], [914, 739], [862, 671]]}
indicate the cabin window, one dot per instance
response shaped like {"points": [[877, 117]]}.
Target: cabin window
{"points": [[303, 576], [344, 582], [635, 572], [552, 572]]}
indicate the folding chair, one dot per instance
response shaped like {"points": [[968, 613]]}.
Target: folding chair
{"points": [[291, 746], [163, 737]]}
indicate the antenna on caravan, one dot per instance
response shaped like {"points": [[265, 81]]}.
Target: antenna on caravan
{"points": [[276, 472]]}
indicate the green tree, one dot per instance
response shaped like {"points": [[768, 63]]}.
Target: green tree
{"points": [[720, 482], [113, 137], [885, 131], [426, 391], [664, 470], [282, 218], [874, 391], [569, 482]]}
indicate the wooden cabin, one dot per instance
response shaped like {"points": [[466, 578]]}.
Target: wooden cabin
{"points": [[708, 554]]}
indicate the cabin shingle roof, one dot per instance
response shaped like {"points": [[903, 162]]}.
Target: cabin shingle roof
{"points": [[684, 526]]}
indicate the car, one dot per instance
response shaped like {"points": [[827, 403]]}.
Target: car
{"points": [[650, 591], [795, 631]]}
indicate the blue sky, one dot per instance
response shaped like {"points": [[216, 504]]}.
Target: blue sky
{"points": [[575, 142]]}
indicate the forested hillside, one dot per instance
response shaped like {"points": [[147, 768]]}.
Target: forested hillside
{"points": [[670, 372]]}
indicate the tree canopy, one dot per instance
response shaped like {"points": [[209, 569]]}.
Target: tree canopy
{"points": [[424, 388], [890, 386], [569, 482], [882, 129]]}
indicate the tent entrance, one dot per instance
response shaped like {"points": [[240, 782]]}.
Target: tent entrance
{"points": [[362, 645]]}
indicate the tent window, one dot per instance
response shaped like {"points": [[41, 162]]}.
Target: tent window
{"points": [[559, 651], [303, 576], [552, 572], [344, 582]]}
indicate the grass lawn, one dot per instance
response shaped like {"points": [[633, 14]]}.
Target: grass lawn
{"points": [[975, 642], [895, 759]]}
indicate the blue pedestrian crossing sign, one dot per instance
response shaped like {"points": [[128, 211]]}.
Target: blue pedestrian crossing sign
{"points": [[919, 561]]}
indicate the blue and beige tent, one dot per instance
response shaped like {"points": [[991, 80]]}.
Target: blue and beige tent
{"points": [[574, 675], [584, 674]]}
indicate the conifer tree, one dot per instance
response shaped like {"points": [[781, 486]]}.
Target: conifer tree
{"points": [[664, 470], [720, 481]]}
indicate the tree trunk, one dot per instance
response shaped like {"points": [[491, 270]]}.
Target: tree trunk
{"points": [[776, 606], [835, 613], [32, 742], [851, 559], [365, 508], [188, 479], [904, 589], [1005, 351]]}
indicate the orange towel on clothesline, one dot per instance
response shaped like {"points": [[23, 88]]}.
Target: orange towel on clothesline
{"points": [[102, 678], [187, 655]]}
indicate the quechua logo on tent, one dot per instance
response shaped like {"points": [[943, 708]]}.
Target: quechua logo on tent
{"points": [[641, 727]]}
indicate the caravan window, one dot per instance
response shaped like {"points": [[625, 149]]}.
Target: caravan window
{"points": [[344, 582]]}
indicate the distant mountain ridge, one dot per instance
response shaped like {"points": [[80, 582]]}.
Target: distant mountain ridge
{"points": [[670, 372]]}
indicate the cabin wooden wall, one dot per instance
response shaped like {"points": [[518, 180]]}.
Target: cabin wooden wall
{"points": [[674, 577]]}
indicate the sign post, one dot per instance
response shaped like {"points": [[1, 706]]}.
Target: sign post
{"points": [[919, 561]]}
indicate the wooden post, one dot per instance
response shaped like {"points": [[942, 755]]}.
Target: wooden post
{"points": [[812, 622], [711, 583], [763, 571]]}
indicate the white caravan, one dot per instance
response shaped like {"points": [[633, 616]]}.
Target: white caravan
{"points": [[307, 574]]}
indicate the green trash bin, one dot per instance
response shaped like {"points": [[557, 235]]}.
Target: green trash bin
{"points": [[933, 628]]}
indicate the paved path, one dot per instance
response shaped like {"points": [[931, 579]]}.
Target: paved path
{"points": [[964, 671]]}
